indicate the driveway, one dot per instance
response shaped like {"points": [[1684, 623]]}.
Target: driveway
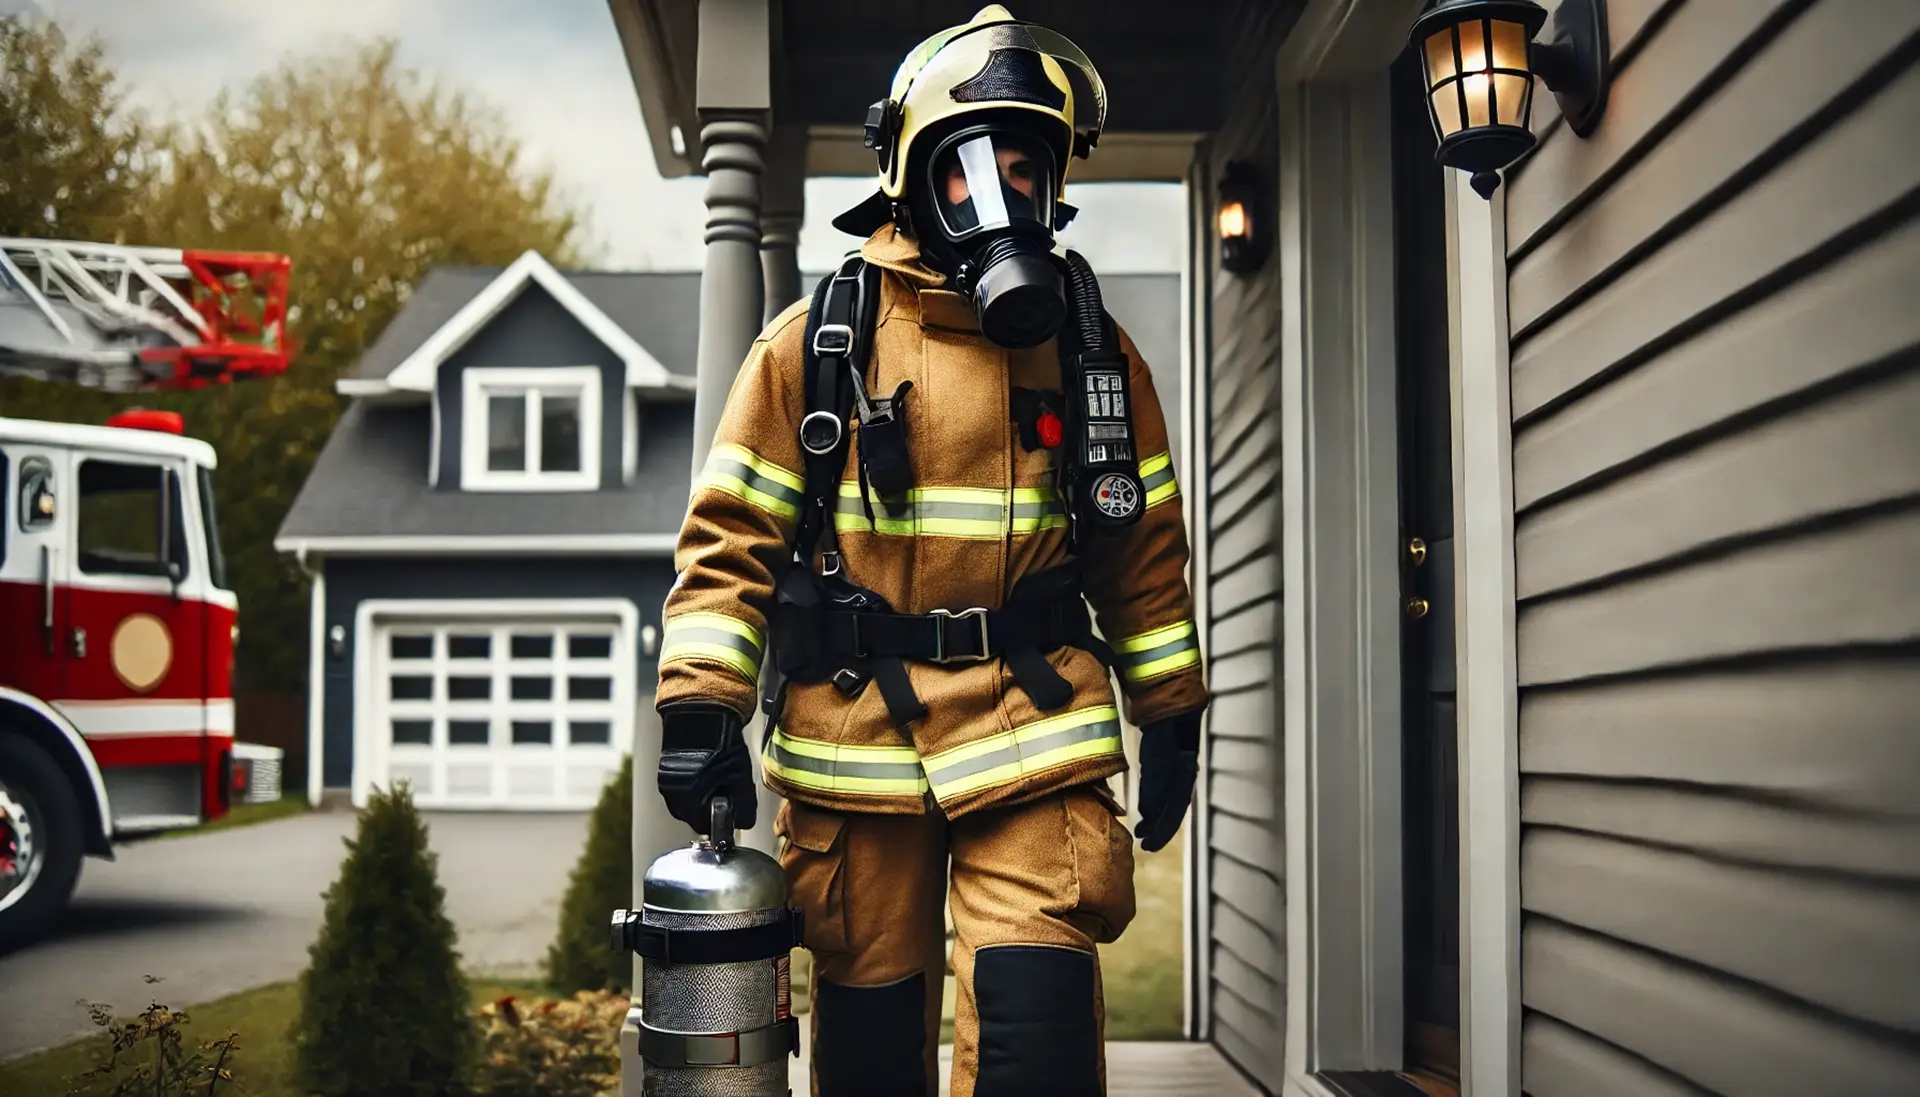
{"points": [[213, 914]]}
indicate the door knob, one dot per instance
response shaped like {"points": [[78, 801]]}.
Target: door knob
{"points": [[1417, 608], [1417, 549]]}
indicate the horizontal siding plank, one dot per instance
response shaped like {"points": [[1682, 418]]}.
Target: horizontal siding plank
{"points": [[1719, 1034], [1254, 625], [1839, 734], [1247, 1041], [1256, 845], [1252, 715], [1729, 825], [1241, 414], [1849, 585], [1773, 94], [1562, 1061], [1250, 579], [1868, 446], [1252, 758], [1250, 940], [1258, 475], [1256, 531], [1248, 982], [1861, 166], [1238, 671], [1242, 796], [1840, 944], [1846, 316], [1257, 894]]}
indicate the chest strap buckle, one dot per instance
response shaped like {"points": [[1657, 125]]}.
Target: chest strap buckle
{"points": [[977, 617]]}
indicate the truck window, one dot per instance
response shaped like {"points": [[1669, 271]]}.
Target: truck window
{"points": [[216, 559], [36, 499], [121, 519]]}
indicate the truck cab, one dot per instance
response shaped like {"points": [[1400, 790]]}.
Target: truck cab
{"points": [[117, 633]]}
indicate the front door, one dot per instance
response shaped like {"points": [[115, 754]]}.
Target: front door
{"points": [[134, 641], [1430, 760], [33, 567]]}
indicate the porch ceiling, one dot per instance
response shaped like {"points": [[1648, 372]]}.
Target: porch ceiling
{"points": [[831, 58]]}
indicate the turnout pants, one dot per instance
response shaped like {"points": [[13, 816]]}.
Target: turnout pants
{"points": [[1033, 887]]}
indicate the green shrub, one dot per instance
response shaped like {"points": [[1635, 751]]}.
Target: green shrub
{"points": [[552, 1048], [602, 882], [148, 1057], [384, 1008]]}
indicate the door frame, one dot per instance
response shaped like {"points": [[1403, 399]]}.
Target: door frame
{"points": [[381, 611]]}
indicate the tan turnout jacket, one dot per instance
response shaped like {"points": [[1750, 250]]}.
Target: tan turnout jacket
{"points": [[984, 515]]}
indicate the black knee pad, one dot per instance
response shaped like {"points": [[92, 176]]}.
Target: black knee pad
{"points": [[1038, 1036], [873, 1041]]}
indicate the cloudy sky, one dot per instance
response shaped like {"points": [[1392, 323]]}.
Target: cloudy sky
{"points": [[554, 68]]}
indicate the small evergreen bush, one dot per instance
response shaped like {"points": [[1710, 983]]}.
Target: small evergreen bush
{"points": [[602, 882], [384, 1008], [567, 1047]]}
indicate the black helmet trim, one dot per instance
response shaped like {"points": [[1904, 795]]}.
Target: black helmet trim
{"points": [[1011, 75]]}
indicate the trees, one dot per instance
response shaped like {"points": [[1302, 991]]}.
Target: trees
{"points": [[383, 1005], [76, 163], [602, 882], [368, 174]]}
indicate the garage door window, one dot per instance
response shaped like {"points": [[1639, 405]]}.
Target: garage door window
{"points": [[518, 713]]}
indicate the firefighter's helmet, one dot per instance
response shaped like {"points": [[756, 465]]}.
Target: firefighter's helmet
{"points": [[992, 68]]}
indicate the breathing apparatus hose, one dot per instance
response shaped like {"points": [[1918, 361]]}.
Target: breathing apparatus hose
{"points": [[1084, 306]]}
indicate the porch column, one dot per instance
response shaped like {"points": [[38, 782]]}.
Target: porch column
{"points": [[733, 99], [781, 215]]}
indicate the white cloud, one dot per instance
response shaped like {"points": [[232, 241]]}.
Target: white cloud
{"points": [[555, 70]]}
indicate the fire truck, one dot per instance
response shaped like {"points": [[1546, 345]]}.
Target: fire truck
{"points": [[117, 622]]}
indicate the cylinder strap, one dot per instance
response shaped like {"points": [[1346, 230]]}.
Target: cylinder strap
{"points": [[674, 1050], [678, 945]]}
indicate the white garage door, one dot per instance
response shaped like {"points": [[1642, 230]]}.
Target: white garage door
{"points": [[515, 714]]}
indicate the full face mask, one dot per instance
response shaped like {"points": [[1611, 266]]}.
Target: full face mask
{"points": [[984, 212]]}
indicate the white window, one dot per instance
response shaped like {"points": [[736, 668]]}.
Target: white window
{"points": [[531, 429]]}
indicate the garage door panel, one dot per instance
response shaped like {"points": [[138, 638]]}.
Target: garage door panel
{"points": [[503, 714]]}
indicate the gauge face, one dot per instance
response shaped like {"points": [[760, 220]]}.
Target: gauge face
{"points": [[1115, 495]]}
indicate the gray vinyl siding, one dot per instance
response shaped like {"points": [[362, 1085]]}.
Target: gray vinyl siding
{"points": [[1239, 333], [1716, 398], [353, 580], [534, 331]]}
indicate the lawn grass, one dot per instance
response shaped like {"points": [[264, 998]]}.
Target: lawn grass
{"points": [[245, 815], [263, 1017]]}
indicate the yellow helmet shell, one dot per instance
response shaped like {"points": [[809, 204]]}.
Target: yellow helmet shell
{"points": [[938, 82]]}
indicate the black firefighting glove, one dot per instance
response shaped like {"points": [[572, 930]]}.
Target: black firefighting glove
{"points": [[1169, 762], [703, 755]]}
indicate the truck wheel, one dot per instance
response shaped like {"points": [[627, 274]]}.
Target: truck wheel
{"points": [[40, 841]]}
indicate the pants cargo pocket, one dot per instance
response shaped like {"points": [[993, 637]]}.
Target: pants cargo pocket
{"points": [[1102, 863], [814, 858]]}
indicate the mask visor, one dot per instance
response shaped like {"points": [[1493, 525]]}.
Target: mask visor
{"points": [[984, 181]]}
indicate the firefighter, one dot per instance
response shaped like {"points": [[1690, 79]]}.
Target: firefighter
{"points": [[893, 549]]}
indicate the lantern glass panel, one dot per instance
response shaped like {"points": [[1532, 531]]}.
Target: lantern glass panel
{"points": [[1510, 93], [1509, 45], [1446, 109], [1439, 52], [1473, 45], [1233, 220], [1476, 86]]}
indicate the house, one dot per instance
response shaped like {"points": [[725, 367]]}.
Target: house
{"points": [[490, 531], [1556, 551]]}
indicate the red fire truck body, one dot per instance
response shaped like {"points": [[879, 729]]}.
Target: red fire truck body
{"points": [[117, 621]]}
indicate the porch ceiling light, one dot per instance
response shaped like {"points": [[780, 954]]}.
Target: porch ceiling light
{"points": [[1241, 220], [1480, 60]]}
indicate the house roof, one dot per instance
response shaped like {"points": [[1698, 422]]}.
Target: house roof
{"points": [[650, 318], [370, 485]]}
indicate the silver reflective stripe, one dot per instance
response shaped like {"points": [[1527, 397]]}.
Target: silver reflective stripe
{"points": [[671, 1050], [754, 479], [907, 776], [1019, 750], [922, 508]]}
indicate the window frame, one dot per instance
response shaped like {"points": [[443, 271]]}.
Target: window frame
{"points": [[170, 486], [480, 384]]}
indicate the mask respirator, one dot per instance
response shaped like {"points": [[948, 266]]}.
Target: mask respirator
{"points": [[986, 220]]}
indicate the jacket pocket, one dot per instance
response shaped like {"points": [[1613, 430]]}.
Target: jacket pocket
{"points": [[1102, 862], [814, 858]]}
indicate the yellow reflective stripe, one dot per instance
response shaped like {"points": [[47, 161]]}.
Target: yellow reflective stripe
{"points": [[1162, 651], [976, 513], [1156, 478], [741, 473], [840, 767], [1009, 756], [715, 637]]}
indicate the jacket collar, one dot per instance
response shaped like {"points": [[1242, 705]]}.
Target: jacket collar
{"points": [[891, 249]]}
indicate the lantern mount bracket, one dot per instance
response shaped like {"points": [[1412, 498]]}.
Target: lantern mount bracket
{"points": [[1573, 62]]}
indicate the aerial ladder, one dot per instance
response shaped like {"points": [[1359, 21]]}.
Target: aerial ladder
{"points": [[140, 319]]}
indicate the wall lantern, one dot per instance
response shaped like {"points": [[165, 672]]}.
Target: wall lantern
{"points": [[1241, 220], [1480, 59]]}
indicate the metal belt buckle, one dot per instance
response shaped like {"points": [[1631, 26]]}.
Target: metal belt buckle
{"points": [[979, 615]]}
